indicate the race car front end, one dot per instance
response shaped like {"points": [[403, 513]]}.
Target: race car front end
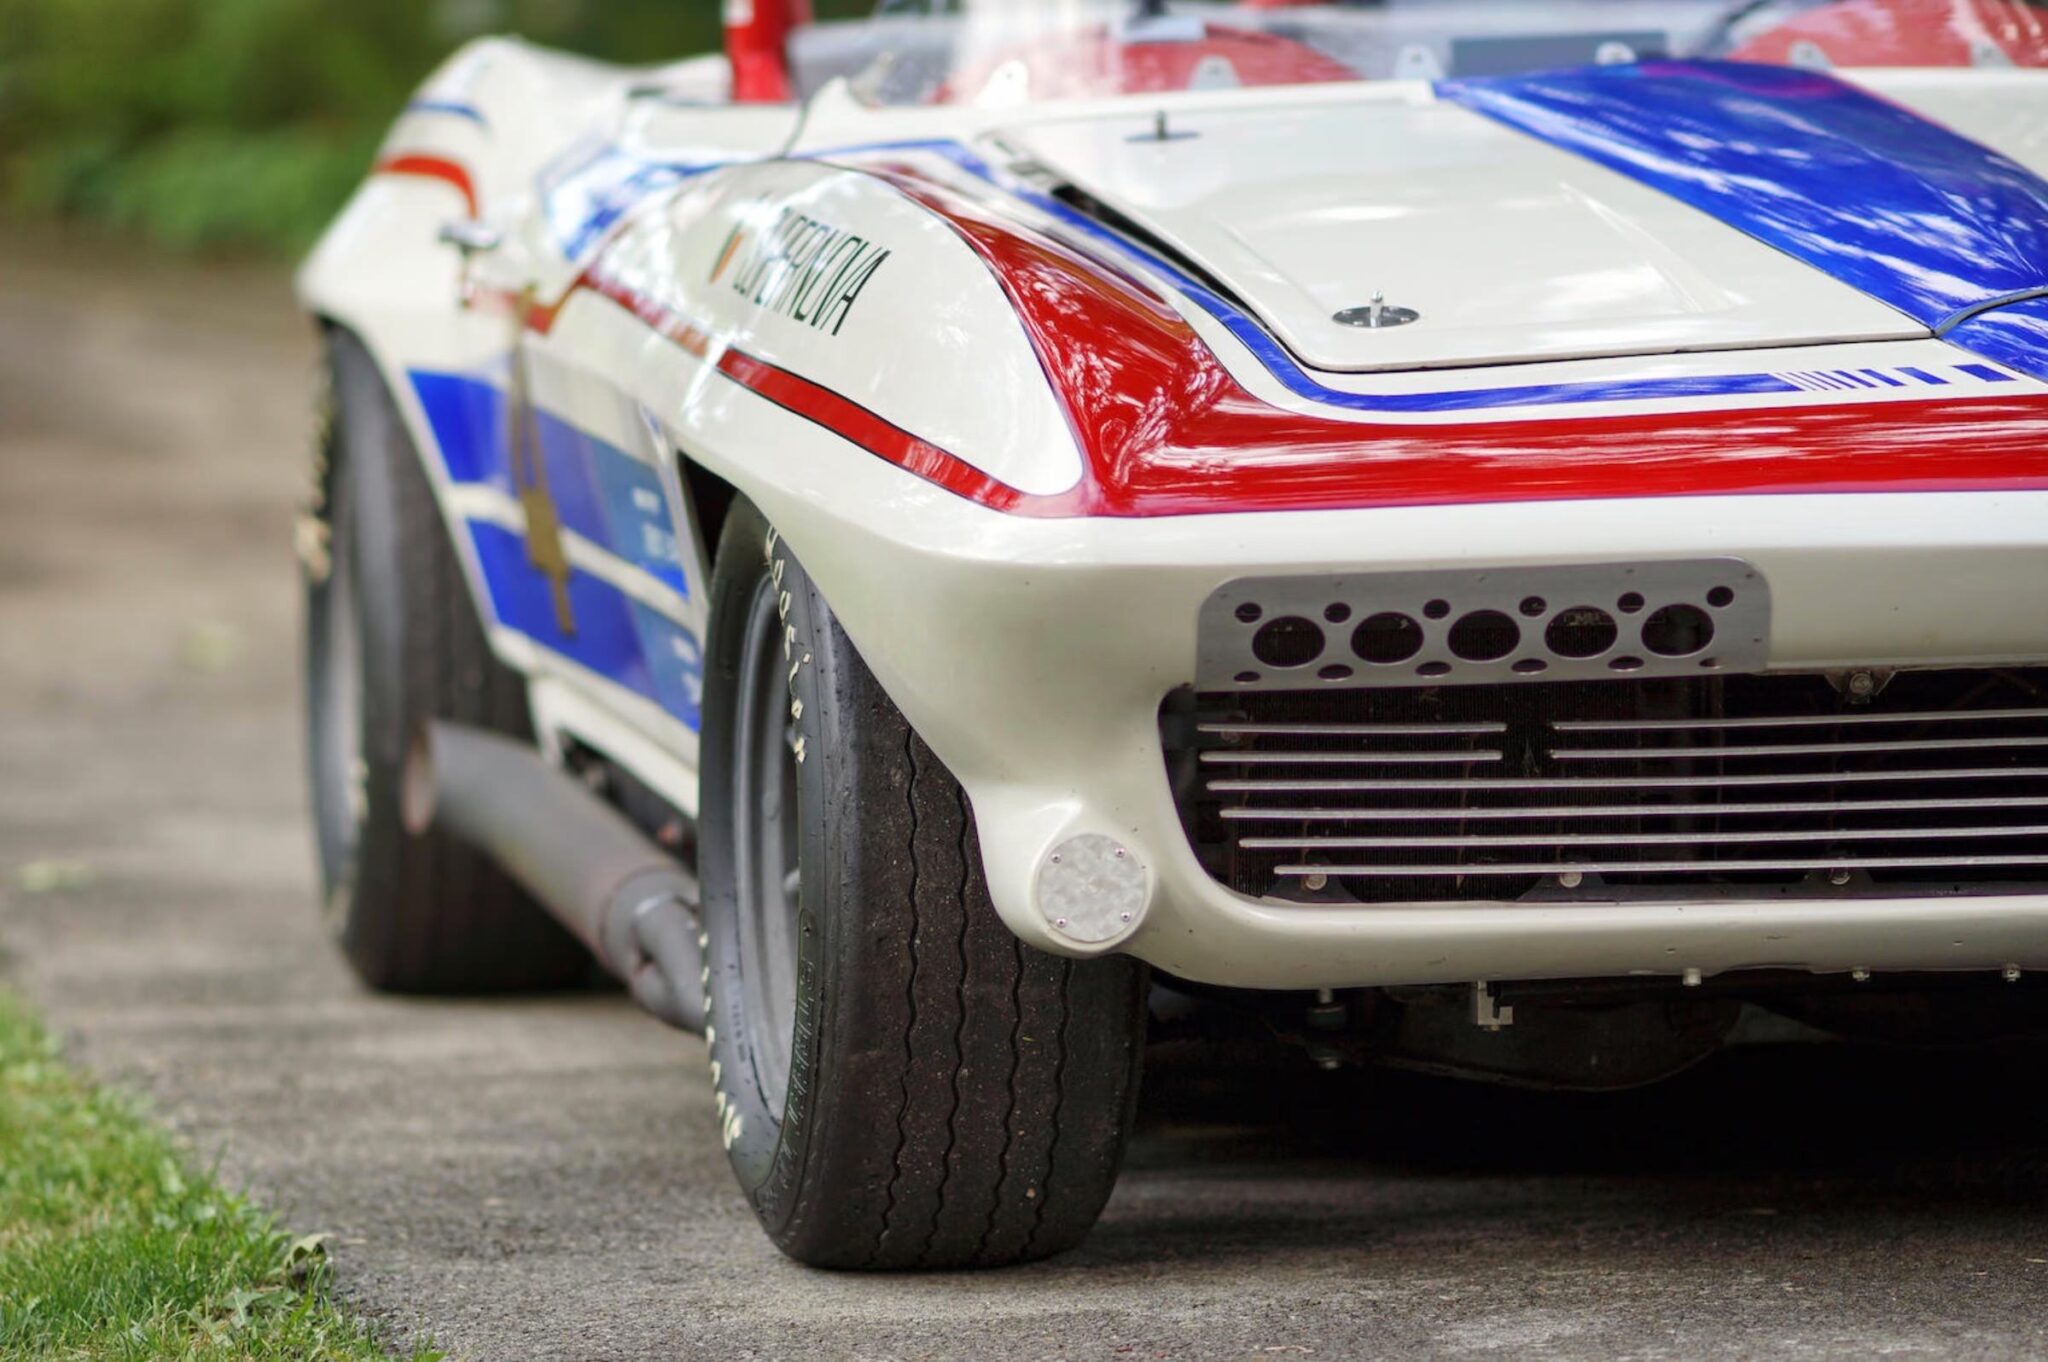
{"points": [[1330, 749], [1386, 554], [1725, 651]]}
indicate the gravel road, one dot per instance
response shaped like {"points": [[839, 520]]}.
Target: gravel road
{"points": [[542, 1179]]}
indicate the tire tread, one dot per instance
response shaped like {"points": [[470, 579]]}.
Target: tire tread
{"points": [[948, 1101], [998, 1161]]}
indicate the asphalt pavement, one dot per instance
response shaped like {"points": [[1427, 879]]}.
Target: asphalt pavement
{"points": [[542, 1178]]}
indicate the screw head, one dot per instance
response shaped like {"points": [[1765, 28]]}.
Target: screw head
{"points": [[1059, 922], [1838, 877], [1314, 883], [1571, 879]]}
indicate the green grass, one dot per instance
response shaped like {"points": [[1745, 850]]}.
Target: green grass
{"points": [[113, 1246]]}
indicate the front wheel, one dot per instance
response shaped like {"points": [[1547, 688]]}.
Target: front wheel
{"points": [[902, 1082]]}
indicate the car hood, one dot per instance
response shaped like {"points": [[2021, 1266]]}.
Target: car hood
{"points": [[1517, 243]]}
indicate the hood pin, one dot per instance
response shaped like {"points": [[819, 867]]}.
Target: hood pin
{"points": [[1377, 314], [1162, 131]]}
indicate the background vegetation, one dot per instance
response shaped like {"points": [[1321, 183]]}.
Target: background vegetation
{"points": [[224, 124]]}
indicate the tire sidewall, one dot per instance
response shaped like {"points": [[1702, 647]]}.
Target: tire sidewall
{"points": [[769, 1156], [362, 516], [326, 564]]}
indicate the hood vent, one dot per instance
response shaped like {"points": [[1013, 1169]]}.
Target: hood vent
{"points": [[1100, 213]]}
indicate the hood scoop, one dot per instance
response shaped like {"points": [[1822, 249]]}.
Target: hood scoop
{"points": [[1505, 249]]}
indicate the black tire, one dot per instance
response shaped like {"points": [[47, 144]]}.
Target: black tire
{"points": [[393, 639], [954, 1098]]}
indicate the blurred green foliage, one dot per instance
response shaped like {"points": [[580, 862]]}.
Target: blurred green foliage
{"points": [[244, 123]]}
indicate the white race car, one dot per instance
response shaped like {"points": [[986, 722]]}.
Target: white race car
{"points": [[1504, 537]]}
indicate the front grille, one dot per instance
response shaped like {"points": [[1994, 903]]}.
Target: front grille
{"points": [[1736, 785]]}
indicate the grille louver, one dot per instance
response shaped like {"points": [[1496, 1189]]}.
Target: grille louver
{"points": [[1599, 790]]}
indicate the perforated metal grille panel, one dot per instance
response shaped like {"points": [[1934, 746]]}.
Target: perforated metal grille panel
{"points": [[1485, 625], [1743, 785]]}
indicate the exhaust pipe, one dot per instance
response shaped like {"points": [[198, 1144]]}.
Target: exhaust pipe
{"points": [[629, 902]]}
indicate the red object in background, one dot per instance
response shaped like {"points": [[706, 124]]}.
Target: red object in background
{"points": [[1097, 62], [1909, 33], [757, 43]]}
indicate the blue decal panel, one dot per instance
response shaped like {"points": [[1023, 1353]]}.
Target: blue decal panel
{"points": [[2015, 336], [640, 528], [1886, 201], [619, 638], [585, 196], [675, 664], [605, 640], [468, 418], [601, 492]]}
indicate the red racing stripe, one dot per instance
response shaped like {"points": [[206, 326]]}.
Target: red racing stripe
{"points": [[422, 166], [1165, 429], [851, 421], [799, 395]]}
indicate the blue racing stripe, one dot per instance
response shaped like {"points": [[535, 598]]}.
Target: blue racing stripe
{"points": [[1281, 364], [454, 108], [600, 492], [1985, 372], [591, 191], [586, 195], [2015, 336], [1874, 195]]}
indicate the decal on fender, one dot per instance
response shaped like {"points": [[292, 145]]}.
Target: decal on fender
{"points": [[545, 551], [807, 270]]}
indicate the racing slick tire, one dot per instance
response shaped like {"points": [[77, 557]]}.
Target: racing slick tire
{"points": [[901, 1082], [393, 640]]}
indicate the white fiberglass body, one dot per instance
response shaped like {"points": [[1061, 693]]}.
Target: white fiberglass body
{"points": [[1024, 384]]}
